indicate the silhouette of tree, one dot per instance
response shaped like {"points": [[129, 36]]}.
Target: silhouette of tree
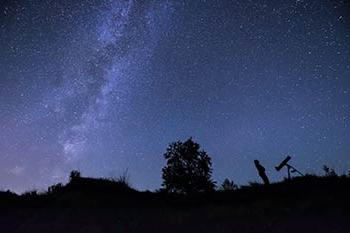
{"points": [[188, 168], [228, 185]]}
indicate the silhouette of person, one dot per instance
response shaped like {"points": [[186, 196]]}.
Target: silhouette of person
{"points": [[261, 171]]}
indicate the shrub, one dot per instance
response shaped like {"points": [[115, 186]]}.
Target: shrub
{"points": [[74, 175], [329, 171], [55, 188], [228, 185]]}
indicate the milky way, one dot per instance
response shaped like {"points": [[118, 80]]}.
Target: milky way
{"points": [[104, 86]]}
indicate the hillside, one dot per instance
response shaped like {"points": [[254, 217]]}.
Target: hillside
{"points": [[306, 204]]}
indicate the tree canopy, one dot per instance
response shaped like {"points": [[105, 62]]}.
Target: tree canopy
{"points": [[188, 168]]}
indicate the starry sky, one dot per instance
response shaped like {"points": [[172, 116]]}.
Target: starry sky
{"points": [[103, 86]]}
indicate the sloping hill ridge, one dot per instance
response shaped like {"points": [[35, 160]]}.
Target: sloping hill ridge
{"points": [[305, 204]]}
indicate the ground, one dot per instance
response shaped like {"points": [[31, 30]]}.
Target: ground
{"points": [[307, 204]]}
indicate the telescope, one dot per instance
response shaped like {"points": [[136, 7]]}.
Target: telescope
{"points": [[290, 168], [283, 163]]}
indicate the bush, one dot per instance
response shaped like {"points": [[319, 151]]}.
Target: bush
{"points": [[228, 185], [329, 171], [32, 193], [55, 188], [123, 180], [74, 175]]}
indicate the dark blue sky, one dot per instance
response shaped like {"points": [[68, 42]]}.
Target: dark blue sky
{"points": [[104, 86]]}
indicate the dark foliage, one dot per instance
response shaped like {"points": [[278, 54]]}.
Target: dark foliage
{"points": [[123, 180], [30, 194], [91, 185], [74, 175], [228, 185], [188, 168], [56, 188], [329, 171]]}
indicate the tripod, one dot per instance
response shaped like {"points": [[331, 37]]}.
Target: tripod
{"points": [[291, 169]]}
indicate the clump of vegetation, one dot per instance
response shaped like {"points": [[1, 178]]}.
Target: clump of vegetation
{"points": [[74, 175], [329, 171], [30, 194], [123, 180], [56, 188], [228, 185]]}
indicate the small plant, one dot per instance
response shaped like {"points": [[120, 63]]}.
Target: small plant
{"points": [[74, 175], [32, 193], [329, 171], [123, 179], [55, 188], [228, 185]]}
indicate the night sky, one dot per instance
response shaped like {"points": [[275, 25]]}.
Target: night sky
{"points": [[103, 86]]}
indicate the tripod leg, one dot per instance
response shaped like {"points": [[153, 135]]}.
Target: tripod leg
{"points": [[288, 173]]}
